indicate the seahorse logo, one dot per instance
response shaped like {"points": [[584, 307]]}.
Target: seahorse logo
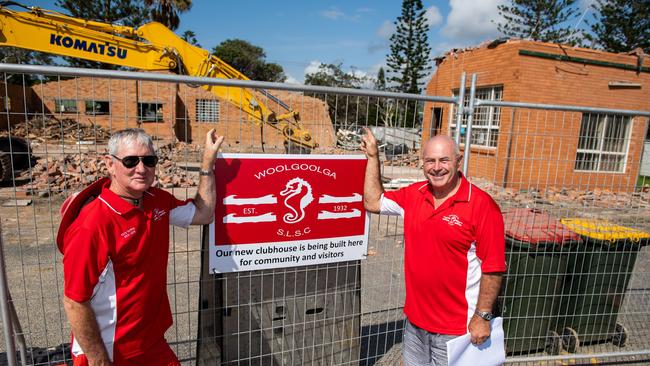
{"points": [[301, 190]]}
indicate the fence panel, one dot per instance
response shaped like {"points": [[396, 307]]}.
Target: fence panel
{"points": [[565, 163]]}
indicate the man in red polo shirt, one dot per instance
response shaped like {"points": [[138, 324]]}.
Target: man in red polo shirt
{"points": [[115, 252], [454, 250]]}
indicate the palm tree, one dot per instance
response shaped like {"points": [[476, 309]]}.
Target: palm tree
{"points": [[167, 11]]}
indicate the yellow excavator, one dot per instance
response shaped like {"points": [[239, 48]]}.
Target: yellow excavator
{"points": [[150, 47]]}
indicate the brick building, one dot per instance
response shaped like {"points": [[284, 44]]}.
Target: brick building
{"points": [[527, 148], [165, 110]]}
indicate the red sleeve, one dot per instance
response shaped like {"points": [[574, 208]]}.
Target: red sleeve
{"points": [[490, 239], [398, 196], [84, 259]]}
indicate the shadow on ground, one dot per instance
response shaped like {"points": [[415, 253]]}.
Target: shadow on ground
{"points": [[378, 339]]}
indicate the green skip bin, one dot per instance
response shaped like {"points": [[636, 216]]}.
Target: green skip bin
{"points": [[536, 252], [601, 268]]}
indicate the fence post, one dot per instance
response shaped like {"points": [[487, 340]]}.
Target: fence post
{"points": [[7, 325], [468, 131], [460, 104]]}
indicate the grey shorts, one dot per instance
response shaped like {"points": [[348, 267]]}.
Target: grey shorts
{"points": [[422, 348]]}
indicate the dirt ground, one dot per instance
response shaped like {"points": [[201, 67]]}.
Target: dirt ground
{"points": [[35, 277]]}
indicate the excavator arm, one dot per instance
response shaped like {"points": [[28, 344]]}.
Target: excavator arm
{"points": [[151, 47]]}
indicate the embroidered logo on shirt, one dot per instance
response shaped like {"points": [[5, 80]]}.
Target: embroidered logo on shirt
{"points": [[158, 214], [452, 220], [128, 233]]}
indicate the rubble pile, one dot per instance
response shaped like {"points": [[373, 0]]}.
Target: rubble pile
{"points": [[598, 201], [57, 174], [348, 139], [411, 160], [50, 129], [68, 173], [181, 151]]}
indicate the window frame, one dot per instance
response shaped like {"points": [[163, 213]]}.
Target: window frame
{"points": [[599, 152], [93, 112], [157, 118], [61, 102], [200, 117], [493, 114]]}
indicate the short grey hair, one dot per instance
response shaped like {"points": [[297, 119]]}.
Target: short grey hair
{"points": [[129, 137]]}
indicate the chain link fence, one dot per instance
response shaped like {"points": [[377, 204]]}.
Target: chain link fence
{"points": [[554, 170]]}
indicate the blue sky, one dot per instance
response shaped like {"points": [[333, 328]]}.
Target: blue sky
{"points": [[299, 35]]}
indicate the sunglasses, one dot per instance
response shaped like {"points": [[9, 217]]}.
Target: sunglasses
{"points": [[132, 161]]}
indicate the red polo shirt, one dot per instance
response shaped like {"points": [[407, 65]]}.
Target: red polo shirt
{"points": [[115, 256], [446, 251]]}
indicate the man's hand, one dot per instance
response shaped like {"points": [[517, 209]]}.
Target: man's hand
{"points": [[369, 144], [212, 145], [372, 187], [86, 331], [205, 198], [479, 330]]}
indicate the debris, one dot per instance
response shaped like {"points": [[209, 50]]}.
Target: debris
{"points": [[13, 203], [348, 139], [46, 128], [72, 172]]}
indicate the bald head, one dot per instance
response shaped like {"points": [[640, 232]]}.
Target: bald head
{"points": [[443, 142], [440, 163]]}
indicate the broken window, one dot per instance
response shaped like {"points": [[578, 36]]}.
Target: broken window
{"points": [[150, 112], [207, 110], [95, 107], [65, 105], [603, 142], [486, 119]]}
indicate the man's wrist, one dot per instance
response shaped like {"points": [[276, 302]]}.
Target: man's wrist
{"points": [[485, 315], [206, 172]]}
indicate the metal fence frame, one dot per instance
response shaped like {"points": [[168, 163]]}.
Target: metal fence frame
{"points": [[11, 325]]}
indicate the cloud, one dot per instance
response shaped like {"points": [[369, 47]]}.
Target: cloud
{"points": [[291, 80], [378, 46], [374, 69], [472, 20], [365, 10], [333, 14], [386, 29], [358, 73], [433, 16], [313, 67]]}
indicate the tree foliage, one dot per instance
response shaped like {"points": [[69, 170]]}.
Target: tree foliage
{"points": [[380, 83], [539, 20], [334, 76], [190, 37], [345, 111], [408, 60], [620, 25], [15, 55], [167, 11], [249, 59], [126, 12]]}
